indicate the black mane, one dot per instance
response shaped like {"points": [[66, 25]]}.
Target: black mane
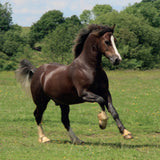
{"points": [[84, 33]]}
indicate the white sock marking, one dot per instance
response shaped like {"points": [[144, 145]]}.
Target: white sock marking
{"points": [[40, 131]]}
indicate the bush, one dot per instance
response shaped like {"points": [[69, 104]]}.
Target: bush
{"points": [[9, 66]]}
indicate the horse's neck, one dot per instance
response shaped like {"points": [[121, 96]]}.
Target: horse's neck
{"points": [[91, 57]]}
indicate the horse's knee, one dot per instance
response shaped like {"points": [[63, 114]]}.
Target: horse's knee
{"points": [[101, 101]]}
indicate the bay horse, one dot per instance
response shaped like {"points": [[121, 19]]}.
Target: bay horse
{"points": [[84, 80]]}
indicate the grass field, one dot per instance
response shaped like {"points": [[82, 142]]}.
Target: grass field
{"points": [[136, 96]]}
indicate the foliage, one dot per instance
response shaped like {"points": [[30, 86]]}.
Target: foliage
{"points": [[60, 41], [47, 22], [13, 42], [51, 37], [5, 17], [149, 10], [99, 10], [86, 16], [137, 34]]}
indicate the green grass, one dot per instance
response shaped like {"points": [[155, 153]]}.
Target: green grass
{"points": [[136, 96]]}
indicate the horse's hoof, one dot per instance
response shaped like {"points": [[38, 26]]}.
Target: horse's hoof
{"points": [[44, 140], [127, 134], [77, 142], [80, 143], [102, 116], [102, 126]]}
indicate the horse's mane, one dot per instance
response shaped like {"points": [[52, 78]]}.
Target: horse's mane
{"points": [[84, 33]]}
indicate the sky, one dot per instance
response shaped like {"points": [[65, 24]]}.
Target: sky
{"points": [[27, 12]]}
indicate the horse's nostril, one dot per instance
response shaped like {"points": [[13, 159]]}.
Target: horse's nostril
{"points": [[117, 61]]}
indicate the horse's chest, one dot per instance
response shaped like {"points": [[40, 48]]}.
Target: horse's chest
{"points": [[100, 82]]}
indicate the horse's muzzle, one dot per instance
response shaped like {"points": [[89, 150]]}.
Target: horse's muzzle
{"points": [[115, 60]]}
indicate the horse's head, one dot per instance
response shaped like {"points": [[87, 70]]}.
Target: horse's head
{"points": [[101, 39], [107, 45]]}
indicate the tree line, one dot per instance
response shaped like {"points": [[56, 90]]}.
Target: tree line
{"points": [[51, 38]]}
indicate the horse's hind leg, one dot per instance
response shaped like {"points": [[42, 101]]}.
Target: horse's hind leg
{"points": [[65, 120], [38, 113]]}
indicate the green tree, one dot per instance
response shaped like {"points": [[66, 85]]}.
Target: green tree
{"points": [[13, 42], [137, 32], [1, 40], [147, 9], [148, 0], [101, 10], [48, 22], [86, 16], [5, 17], [58, 43]]}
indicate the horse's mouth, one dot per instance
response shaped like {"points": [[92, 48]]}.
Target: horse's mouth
{"points": [[115, 60]]}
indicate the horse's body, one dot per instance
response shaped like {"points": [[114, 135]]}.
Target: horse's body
{"points": [[65, 78], [83, 80]]}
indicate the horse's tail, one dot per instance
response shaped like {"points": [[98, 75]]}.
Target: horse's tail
{"points": [[24, 74]]}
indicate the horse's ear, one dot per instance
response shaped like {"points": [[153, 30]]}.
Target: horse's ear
{"points": [[113, 27]]}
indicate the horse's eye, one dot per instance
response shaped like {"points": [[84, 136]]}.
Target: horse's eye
{"points": [[107, 42]]}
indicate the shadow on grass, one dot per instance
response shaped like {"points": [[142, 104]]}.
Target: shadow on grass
{"points": [[113, 145], [119, 145]]}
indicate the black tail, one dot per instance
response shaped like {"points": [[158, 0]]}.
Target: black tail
{"points": [[24, 74]]}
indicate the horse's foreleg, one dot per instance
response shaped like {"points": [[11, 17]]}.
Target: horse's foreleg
{"points": [[65, 120], [91, 97], [112, 110], [102, 116]]}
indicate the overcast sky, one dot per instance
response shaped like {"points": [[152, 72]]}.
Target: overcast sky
{"points": [[26, 12]]}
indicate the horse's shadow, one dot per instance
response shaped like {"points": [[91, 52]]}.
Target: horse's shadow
{"points": [[119, 145], [113, 145]]}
